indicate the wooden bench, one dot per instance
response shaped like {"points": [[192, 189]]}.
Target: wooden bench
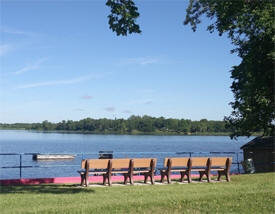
{"points": [[108, 167], [222, 166], [201, 165], [146, 167], [181, 165], [143, 166], [205, 165], [96, 166], [118, 166]]}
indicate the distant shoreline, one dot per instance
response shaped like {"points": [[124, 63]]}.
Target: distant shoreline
{"points": [[117, 133]]}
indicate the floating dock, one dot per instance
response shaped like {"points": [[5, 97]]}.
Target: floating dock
{"points": [[52, 156]]}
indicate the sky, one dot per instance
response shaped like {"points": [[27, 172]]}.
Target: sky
{"points": [[60, 61]]}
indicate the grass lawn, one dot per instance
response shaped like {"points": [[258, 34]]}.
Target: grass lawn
{"points": [[251, 194]]}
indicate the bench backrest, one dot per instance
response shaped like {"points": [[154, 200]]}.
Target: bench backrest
{"points": [[143, 162], [120, 163], [97, 163], [220, 161], [200, 161], [176, 162]]}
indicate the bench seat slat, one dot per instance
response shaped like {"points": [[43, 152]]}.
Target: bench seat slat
{"points": [[197, 170], [217, 169], [119, 172], [179, 168], [97, 172], [199, 167], [141, 168], [140, 171], [120, 169]]}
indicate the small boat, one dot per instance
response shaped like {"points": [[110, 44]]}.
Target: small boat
{"points": [[52, 156]]}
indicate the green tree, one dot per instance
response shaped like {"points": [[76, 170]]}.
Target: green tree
{"points": [[122, 19], [203, 125], [146, 124], [184, 126], [172, 124], [250, 26], [47, 125]]}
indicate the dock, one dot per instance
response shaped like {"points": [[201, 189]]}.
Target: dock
{"points": [[53, 156]]}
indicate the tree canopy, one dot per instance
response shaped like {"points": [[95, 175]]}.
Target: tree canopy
{"points": [[250, 26], [122, 19]]}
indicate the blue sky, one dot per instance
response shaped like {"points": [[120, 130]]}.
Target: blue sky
{"points": [[60, 61]]}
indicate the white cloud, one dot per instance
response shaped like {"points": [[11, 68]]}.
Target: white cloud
{"points": [[8, 30], [140, 102], [110, 109], [127, 112], [79, 109], [5, 48], [147, 91], [17, 32], [86, 97], [147, 102], [31, 67], [139, 61], [58, 82]]}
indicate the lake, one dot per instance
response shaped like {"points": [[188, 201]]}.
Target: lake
{"points": [[88, 146]]}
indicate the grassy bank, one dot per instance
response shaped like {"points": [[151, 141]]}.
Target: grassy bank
{"points": [[245, 194]]}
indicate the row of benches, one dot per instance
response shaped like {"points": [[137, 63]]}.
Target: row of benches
{"points": [[147, 168]]}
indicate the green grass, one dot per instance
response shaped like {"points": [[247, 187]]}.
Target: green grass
{"points": [[244, 194]]}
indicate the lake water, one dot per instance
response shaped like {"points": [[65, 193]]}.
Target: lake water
{"points": [[88, 146]]}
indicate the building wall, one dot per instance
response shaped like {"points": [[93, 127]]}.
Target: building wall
{"points": [[263, 159]]}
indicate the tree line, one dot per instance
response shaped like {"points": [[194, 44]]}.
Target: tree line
{"points": [[132, 125]]}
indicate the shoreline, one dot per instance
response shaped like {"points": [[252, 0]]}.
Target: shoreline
{"points": [[119, 133], [135, 133]]}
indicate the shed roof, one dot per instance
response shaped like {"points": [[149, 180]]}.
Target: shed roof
{"points": [[267, 142]]}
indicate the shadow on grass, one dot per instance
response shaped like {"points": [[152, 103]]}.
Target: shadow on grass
{"points": [[53, 189]]}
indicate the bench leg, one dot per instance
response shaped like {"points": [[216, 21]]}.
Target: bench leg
{"points": [[131, 180], [104, 179], [162, 174], [168, 178], [82, 177], [189, 177], [152, 178], [208, 177], [145, 178], [201, 175], [219, 175], [227, 175], [110, 180], [182, 174], [125, 178], [86, 179]]}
